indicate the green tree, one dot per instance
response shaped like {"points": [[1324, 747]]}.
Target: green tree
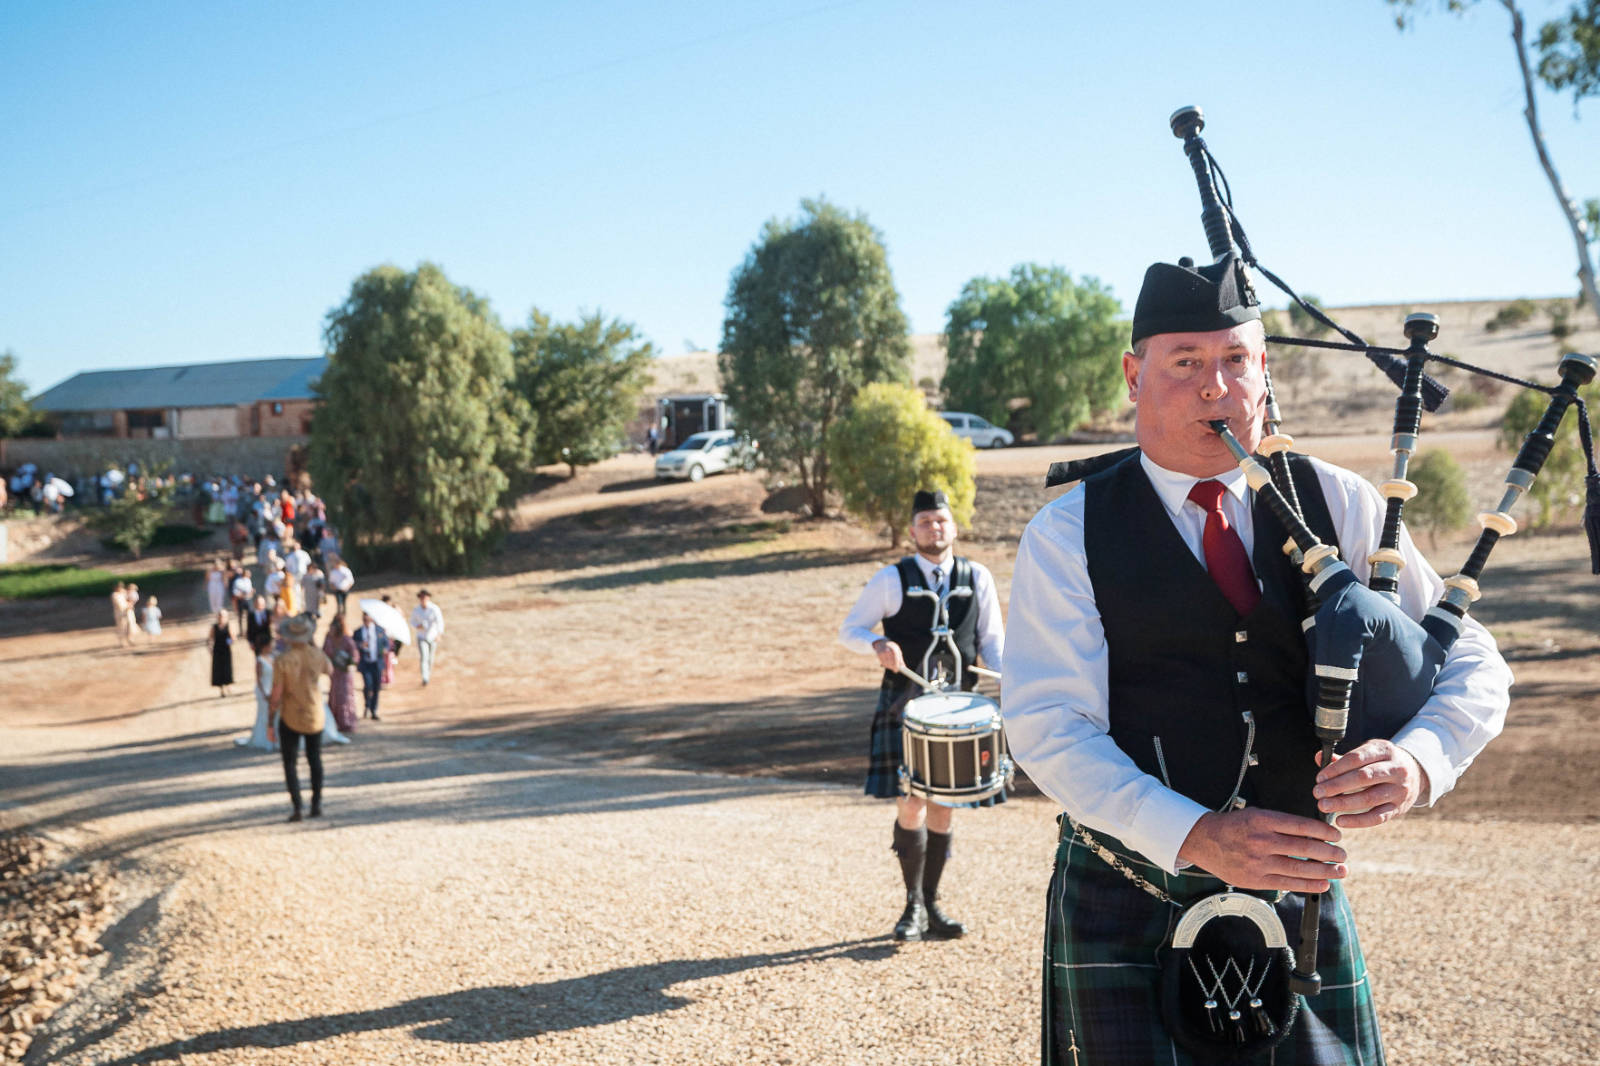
{"points": [[1442, 503], [583, 381], [1303, 322], [1560, 482], [16, 414], [812, 316], [1038, 336], [1569, 58], [419, 426], [890, 419]]}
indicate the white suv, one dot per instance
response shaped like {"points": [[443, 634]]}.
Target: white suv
{"points": [[709, 452], [979, 432]]}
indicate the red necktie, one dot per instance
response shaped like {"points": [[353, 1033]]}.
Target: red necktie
{"points": [[1225, 555]]}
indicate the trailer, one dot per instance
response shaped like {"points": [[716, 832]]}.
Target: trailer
{"points": [[681, 417]]}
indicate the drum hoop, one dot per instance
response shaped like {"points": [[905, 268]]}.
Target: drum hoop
{"points": [[976, 731], [923, 727]]}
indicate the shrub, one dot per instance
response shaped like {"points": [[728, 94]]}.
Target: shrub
{"points": [[887, 446], [128, 522], [1561, 325], [1560, 483], [1442, 503], [1511, 315]]}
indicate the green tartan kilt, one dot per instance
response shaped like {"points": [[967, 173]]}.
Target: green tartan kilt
{"points": [[1105, 942]]}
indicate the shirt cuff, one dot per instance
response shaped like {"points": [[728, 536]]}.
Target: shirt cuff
{"points": [[1161, 826], [1426, 747]]}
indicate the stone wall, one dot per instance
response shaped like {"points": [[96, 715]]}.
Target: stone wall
{"points": [[246, 456]]}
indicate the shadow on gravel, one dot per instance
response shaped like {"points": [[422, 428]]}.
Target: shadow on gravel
{"points": [[770, 563], [502, 1013], [633, 532], [812, 737], [472, 780]]}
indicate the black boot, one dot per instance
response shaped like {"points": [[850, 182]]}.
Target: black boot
{"points": [[940, 925], [911, 845]]}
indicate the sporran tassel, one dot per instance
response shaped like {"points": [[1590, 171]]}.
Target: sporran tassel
{"points": [[1238, 1029], [1211, 1016], [1264, 1024]]}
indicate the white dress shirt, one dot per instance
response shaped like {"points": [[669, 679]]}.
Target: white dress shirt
{"points": [[340, 579], [881, 599], [1056, 686], [428, 622]]}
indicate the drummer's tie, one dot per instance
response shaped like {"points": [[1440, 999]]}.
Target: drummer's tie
{"points": [[1226, 560], [937, 579]]}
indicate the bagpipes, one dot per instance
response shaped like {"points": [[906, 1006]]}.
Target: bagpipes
{"points": [[1373, 666]]}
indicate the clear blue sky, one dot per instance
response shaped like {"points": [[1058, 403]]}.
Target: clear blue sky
{"points": [[194, 182]]}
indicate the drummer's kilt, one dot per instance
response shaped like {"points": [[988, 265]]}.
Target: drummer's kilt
{"points": [[1105, 940], [887, 749]]}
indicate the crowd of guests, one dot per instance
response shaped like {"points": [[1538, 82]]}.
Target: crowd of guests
{"points": [[270, 595], [50, 492]]}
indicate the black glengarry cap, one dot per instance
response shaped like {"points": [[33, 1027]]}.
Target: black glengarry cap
{"points": [[925, 500], [1184, 298]]}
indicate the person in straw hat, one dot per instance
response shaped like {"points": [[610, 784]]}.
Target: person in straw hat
{"points": [[296, 705]]}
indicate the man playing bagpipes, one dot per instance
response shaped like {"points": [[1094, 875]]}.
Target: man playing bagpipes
{"points": [[1156, 687]]}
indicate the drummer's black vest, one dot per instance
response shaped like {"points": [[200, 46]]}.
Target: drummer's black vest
{"points": [[1208, 701], [911, 626]]}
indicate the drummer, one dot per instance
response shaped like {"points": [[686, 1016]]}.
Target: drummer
{"points": [[921, 831]]}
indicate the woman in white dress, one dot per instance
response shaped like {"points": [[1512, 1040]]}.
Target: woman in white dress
{"points": [[216, 587], [257, 737], [330, 728]]}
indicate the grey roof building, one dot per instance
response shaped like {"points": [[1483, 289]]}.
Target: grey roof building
{"points": [[247, 397]]}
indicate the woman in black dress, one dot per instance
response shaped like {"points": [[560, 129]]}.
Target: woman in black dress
{"points": [[221, 654]]}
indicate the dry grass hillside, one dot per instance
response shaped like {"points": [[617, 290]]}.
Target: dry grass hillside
{"points": [[1321, 393]]}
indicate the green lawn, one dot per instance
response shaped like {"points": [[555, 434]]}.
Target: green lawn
{"points": [[23, 581]]}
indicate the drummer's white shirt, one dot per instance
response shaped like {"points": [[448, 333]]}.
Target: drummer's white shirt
{"points": [[1055, 691], [881, 599]]}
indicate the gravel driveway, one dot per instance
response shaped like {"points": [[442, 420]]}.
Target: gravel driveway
{"points": [[463, 903]]}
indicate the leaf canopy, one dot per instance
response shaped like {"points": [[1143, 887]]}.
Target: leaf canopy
{"points": [[1040, 337], [812, 317], [887, 446], [418, 427], [584, 380]]}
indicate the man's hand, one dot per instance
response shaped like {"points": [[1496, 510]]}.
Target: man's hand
{"points": [[1370, 785], [889, 656], [1263, 849]]}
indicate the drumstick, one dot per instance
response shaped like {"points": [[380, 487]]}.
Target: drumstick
{"points": [[981, 672], [925, 685]]}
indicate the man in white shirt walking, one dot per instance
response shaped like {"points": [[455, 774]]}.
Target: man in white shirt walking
{"points": [[922, 831], [340, 580], [1155, 688], [427, 622]]}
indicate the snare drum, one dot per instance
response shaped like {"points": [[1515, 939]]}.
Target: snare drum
{"points": [[955, 748]]}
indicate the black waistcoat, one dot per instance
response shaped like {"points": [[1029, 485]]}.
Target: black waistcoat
{"points": [[911, 627], [1204, 699]]}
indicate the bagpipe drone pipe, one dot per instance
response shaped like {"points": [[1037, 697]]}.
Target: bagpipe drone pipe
{"points": [[1374, 667]]}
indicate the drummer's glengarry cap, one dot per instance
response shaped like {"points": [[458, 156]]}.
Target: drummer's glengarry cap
{"points": [[1184, 298], [928, 501]]}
